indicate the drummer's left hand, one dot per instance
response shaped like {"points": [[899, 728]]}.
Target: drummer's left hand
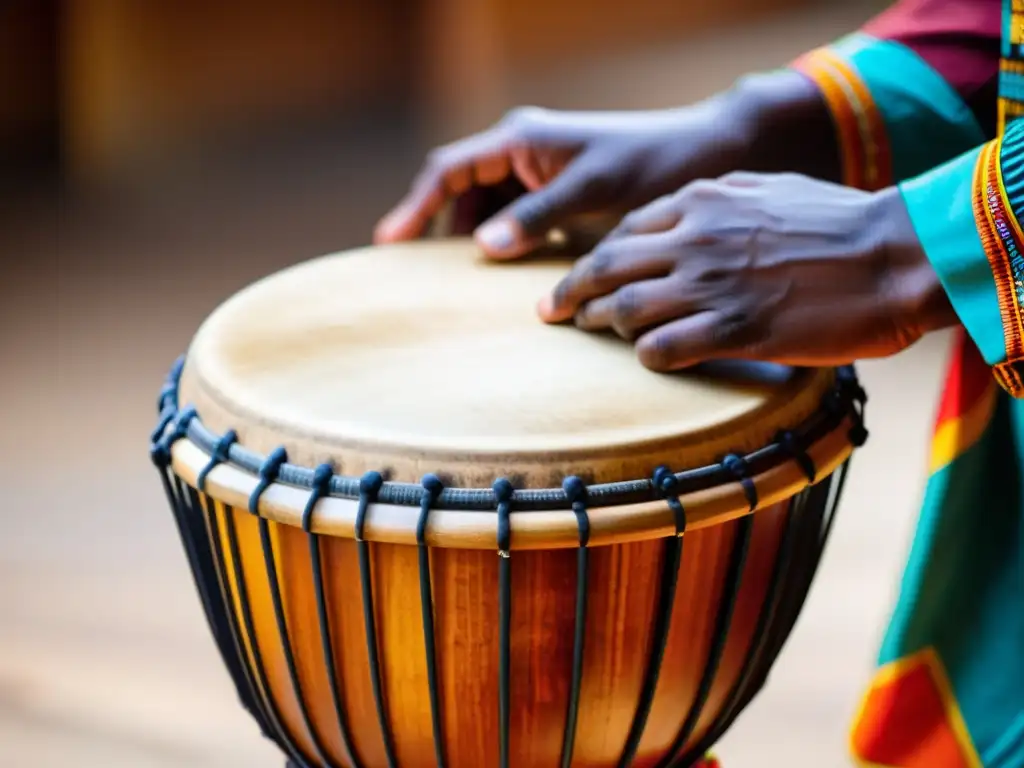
{"points": [[778, 268]]}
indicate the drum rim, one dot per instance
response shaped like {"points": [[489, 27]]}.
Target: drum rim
{"points": [[844, 401]]}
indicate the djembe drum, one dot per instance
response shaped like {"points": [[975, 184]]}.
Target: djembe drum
{"points": [[428, 530]]}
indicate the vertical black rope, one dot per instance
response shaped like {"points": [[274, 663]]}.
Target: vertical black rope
{"points": [[813, 542], [668, 487], [207, 531], [258, 708], [795, 589], [723, 620], [503, 492], [369, 487], [324, 622], [432, 488], [321, 483], [756, 657], [160, 454], [268, 473], [576, 493]]}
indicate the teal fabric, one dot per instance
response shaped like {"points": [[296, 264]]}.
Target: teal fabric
{"points": [[963, 589], [940, 207], [926, 120]]}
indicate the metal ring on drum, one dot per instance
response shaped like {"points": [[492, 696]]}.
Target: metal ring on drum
{"points": [[427, 530]]}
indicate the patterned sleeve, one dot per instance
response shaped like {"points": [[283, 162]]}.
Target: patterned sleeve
{"points": [[915, 87], [968, 214]]}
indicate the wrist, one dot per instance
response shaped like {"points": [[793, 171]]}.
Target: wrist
{"points": [[785, 124], [910, 286]]}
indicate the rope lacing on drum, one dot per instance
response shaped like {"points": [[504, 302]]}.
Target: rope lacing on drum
{"points": [[166, 401], [850, 397], [166, 415], [169, 391], [219, 456], [788, 441], [667, 485], [739, 469], [858, 399], [369, 487], [432, 488], [269, 470], [160, 449], [576, 493], [844, 401], [503, 492], [321, 487]]}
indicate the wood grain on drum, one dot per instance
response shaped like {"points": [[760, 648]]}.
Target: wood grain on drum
{"points": [[622, 607]]}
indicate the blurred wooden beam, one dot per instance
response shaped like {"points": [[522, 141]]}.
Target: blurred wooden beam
{"points": [[143, 79]]}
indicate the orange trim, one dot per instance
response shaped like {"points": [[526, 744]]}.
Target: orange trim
{"points": [[830, 83], [891, 675], [996, 226], [878, 163], [867, 161]]}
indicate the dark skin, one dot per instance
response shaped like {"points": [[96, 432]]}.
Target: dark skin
{"points": [[696, 260]]}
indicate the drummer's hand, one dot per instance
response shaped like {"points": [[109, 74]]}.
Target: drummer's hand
{"points": [[569, 164], [778, 268]]}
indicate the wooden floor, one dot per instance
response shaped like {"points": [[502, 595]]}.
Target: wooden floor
{"points": [[104, 657]]}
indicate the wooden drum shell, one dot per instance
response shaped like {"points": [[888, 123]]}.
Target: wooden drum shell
{"points": [[625, 618], [740, 583]]}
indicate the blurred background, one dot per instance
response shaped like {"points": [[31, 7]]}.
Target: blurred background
{"points": [[157, 156]]}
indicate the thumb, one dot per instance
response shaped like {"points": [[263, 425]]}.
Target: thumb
{"points": [[524, 224]]}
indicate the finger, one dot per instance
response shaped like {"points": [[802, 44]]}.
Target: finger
{"points": [[611, 265], [448, 173], [523, 225], [480, 203], [637, 306], [660, 215], [701, 337]]}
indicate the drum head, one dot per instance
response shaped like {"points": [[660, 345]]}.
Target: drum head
{"points": [[426, 357]]}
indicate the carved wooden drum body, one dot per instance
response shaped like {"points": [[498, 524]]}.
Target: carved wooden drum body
{"points": [[428, 530]]}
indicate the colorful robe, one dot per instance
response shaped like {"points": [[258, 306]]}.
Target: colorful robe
{"points": [[926, 96]]}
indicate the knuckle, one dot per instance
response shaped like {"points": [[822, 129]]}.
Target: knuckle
{"points": [[630, 223], [626, 304], [520, 120], [740, 178], [439, 158], [600, 264], [701, 190]]}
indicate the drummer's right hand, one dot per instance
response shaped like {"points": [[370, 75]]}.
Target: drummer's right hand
{"points": [[569, 164]]}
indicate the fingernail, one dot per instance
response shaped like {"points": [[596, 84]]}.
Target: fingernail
{"points": [[546, 310], [385, 229], [496, 235]]}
